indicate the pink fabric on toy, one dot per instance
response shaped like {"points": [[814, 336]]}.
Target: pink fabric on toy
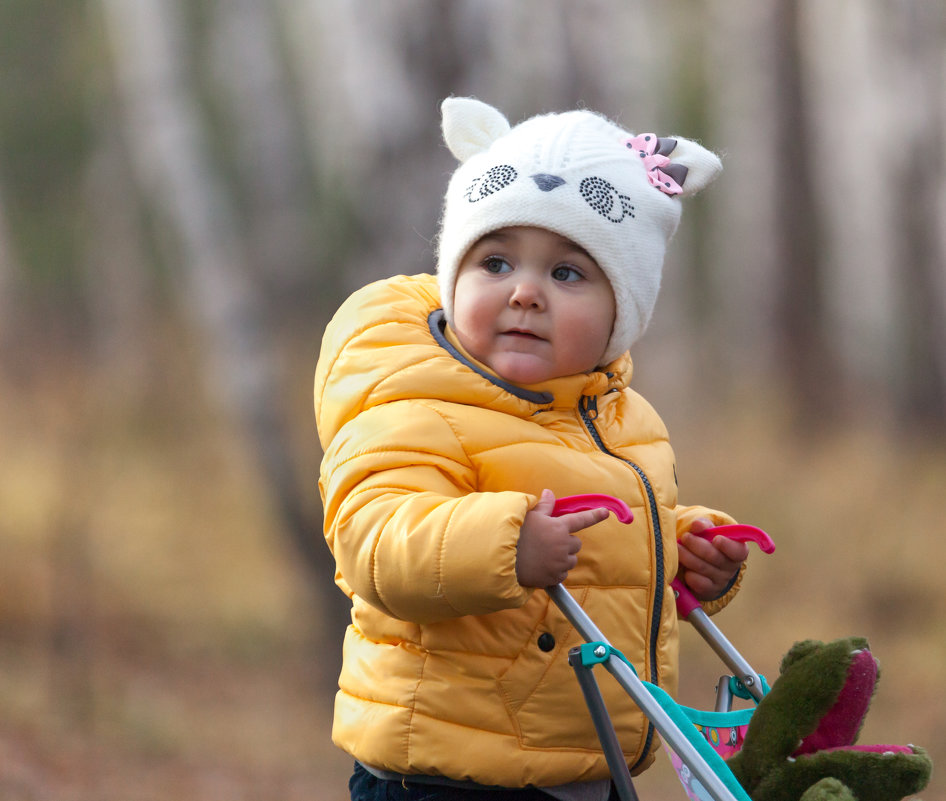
{"points": [[842, 723]]}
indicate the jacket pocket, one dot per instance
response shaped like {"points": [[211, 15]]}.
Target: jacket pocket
{"points": [[544, 700], [539, 689]]}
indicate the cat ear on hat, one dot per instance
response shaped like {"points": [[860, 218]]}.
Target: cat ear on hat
{"points": [[702, 166], [470, 126], [674, 165]]}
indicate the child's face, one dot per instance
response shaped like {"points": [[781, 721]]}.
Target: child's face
{"points": [[532, 305]]}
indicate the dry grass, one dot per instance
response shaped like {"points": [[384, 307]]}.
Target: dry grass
{"points": [[157, 639]]}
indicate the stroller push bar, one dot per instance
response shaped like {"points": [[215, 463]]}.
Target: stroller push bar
{"points": [[724, 649], [689, 609]]}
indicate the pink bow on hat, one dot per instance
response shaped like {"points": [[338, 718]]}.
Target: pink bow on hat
{"points": [[661, 172]]}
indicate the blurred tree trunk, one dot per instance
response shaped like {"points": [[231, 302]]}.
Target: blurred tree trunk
{"points": [[116, 281], [269, 151], [170, 152], [800, 304], [8, 281], [371, 86], [918, 30]]}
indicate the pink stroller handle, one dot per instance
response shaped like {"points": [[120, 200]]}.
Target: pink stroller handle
{"points": [[739, 532], [686, 601], [582, 503]]}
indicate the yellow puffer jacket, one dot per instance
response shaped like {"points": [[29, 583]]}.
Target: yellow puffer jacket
{"points": [[452, 668]]}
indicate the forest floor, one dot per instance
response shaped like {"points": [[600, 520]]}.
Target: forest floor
{"points": [[158, 638]]}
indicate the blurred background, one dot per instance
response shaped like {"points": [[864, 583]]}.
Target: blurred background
{"points": [[189, 188]]}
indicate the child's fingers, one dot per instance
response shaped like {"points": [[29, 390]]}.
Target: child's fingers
{"points": [[576, 521], [732, 550], [699, 584], [697, 549], [721, 553], [565, 562], [709, 566], [701, 557], [701, 524], [546, 503]]}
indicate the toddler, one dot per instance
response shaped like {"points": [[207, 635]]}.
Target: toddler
{"points": [[453, 411]]}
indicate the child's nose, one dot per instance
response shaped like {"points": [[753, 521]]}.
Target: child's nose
{"points": [[527, 294]]}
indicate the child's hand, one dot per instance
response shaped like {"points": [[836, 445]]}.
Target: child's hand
{"points": [[547, 545], [708, 567]]}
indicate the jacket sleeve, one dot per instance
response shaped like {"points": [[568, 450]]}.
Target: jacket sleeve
{"points": [[685, 517], [408, 532]]}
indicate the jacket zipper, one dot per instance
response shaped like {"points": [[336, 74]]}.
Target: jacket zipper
{"points": [[588, 408]]}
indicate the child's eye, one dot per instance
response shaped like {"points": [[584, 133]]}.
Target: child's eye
{"points": [[494, 264], [566, 273]]}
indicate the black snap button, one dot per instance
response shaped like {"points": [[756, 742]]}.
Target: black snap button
{"points": [[546, 642]]}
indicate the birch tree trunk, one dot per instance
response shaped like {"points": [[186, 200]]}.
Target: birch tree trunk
{"points": [[170, 153], [8, 272], [800, 303], [371, 86], [116, 282], [917, 60], [269, 150]]}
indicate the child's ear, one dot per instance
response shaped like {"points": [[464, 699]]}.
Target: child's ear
{"points": [[702, 166], [470, 126]]}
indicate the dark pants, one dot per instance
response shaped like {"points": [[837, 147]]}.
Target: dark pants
{"points": [[364, 786]]}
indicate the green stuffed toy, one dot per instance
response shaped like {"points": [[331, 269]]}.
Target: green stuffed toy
{"points": [[799, 745]]}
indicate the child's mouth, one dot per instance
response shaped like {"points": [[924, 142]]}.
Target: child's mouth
{"points": [[521, 334]]}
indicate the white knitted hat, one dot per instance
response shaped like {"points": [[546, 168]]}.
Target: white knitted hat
{"points": [[581, 176]]}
